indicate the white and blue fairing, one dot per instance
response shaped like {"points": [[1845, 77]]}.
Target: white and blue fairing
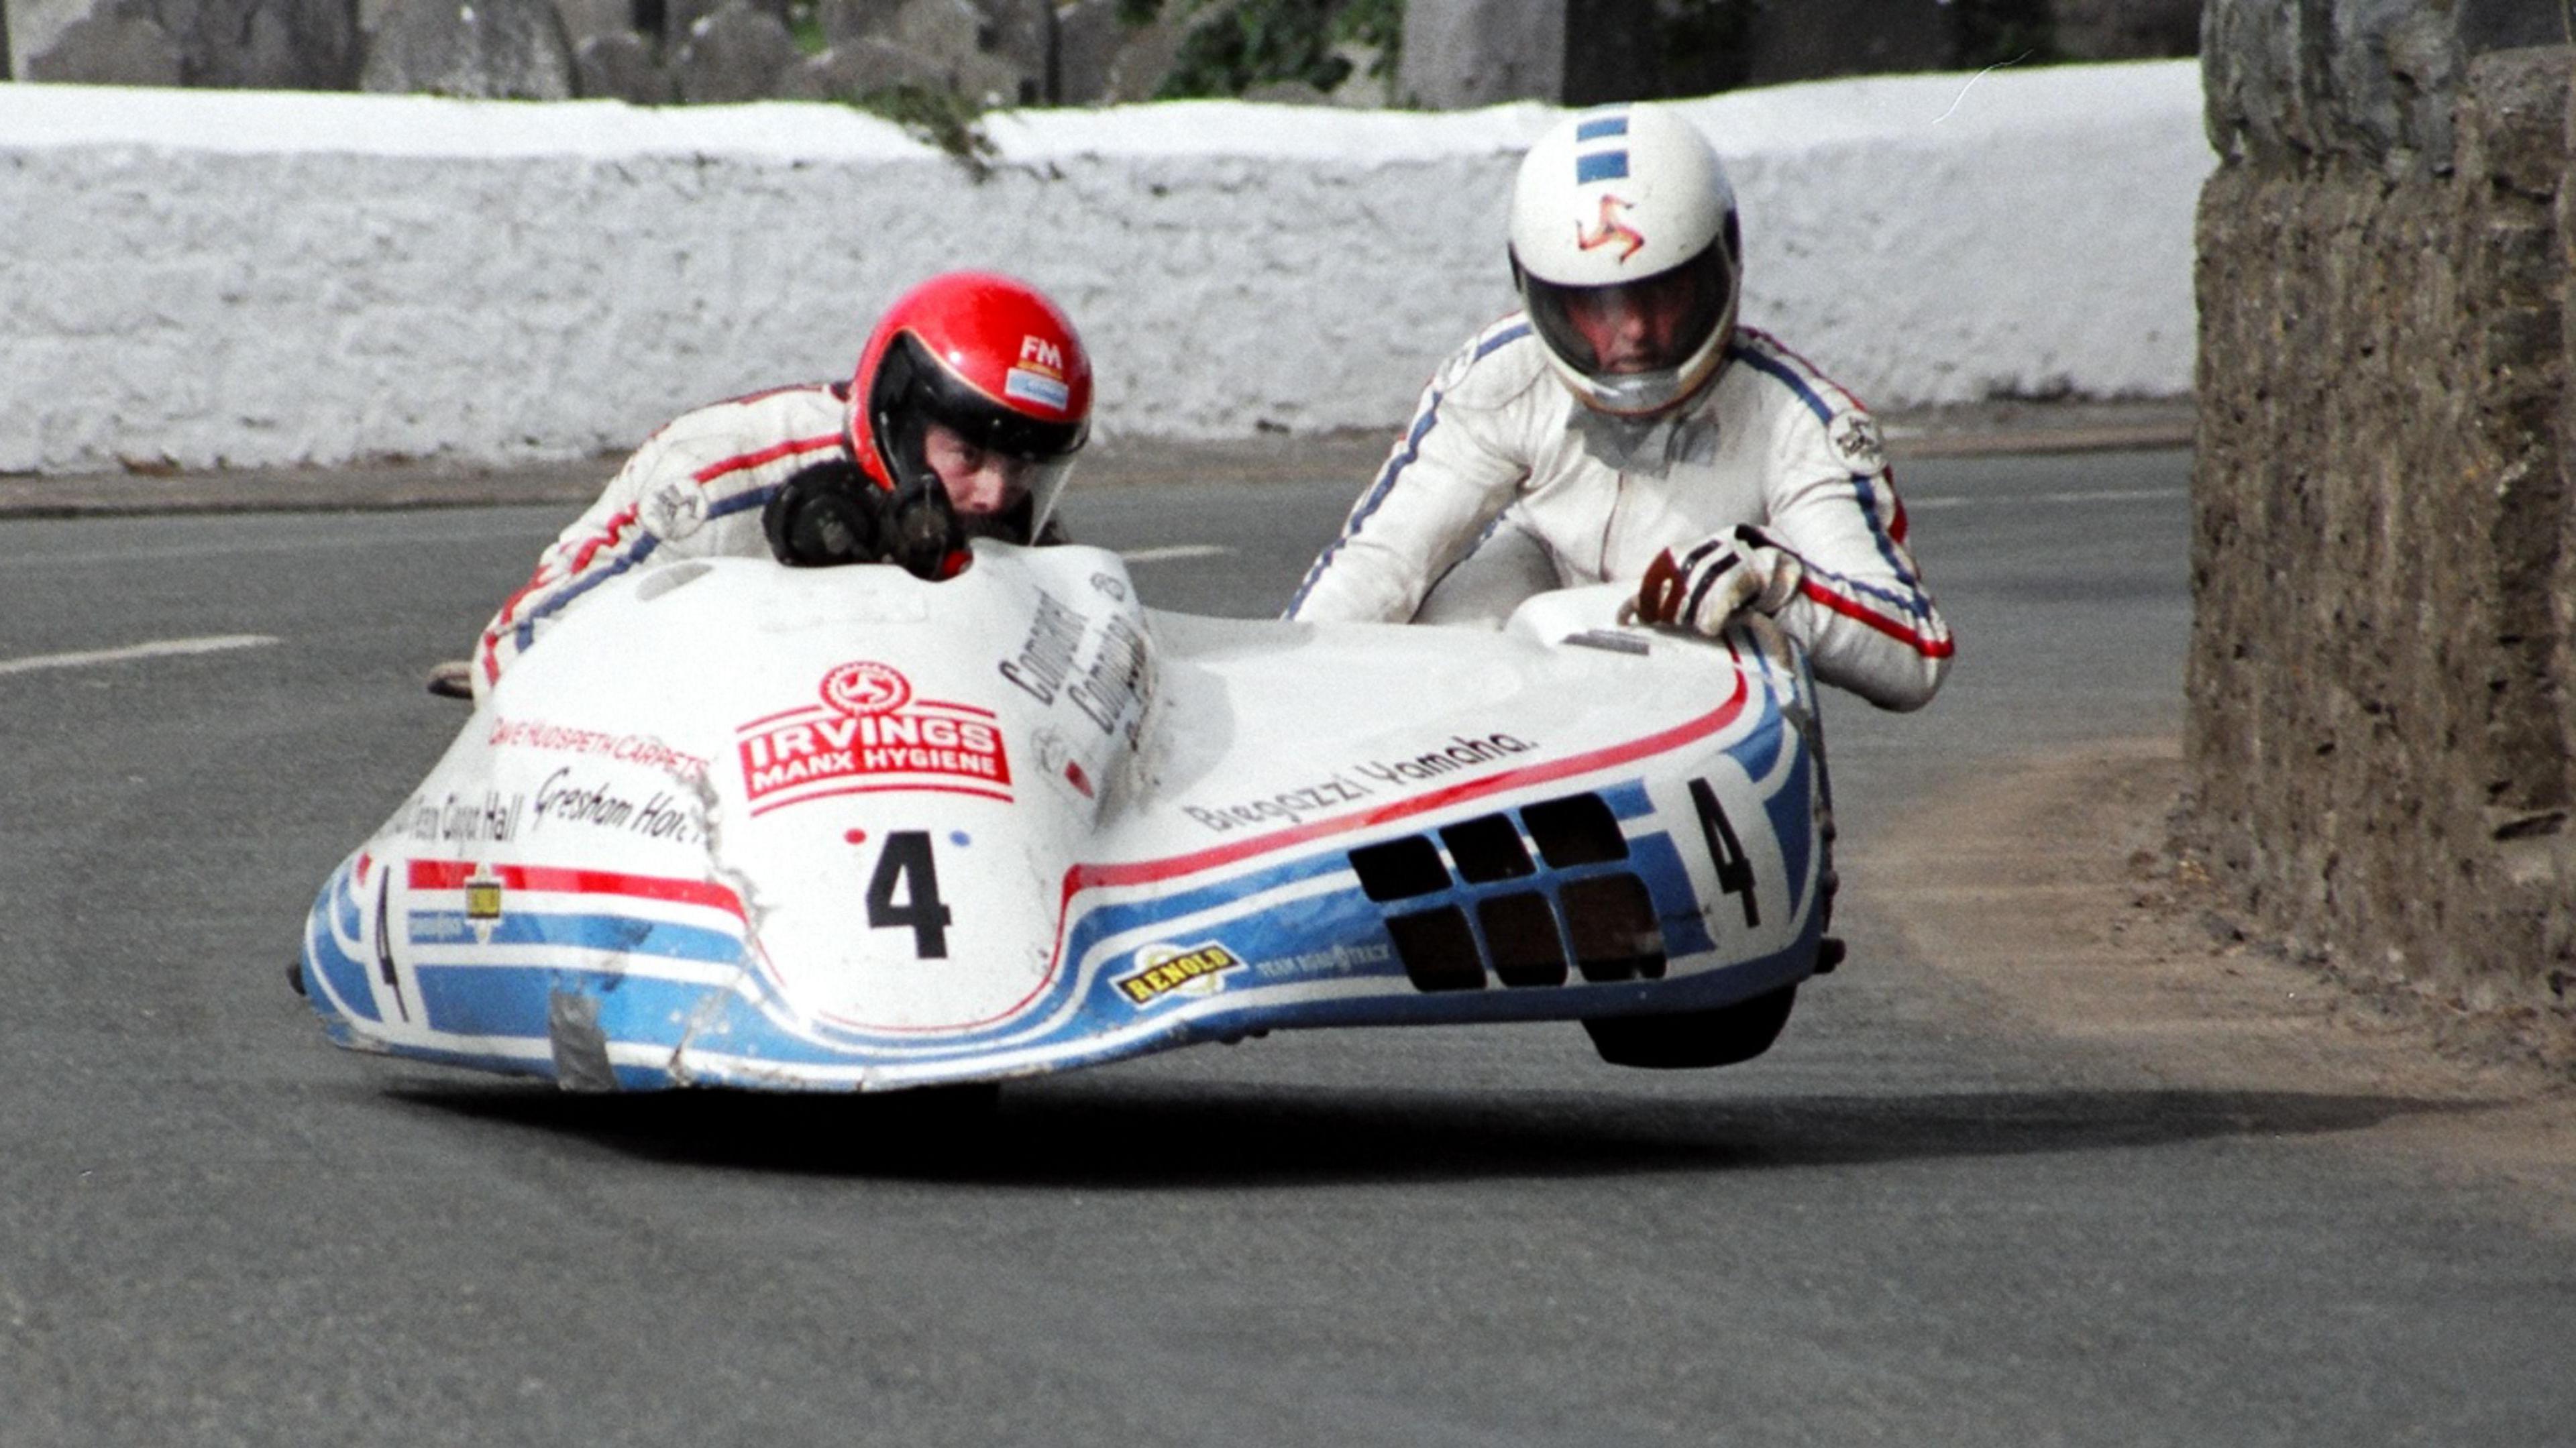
{"points": [[845, 829]]}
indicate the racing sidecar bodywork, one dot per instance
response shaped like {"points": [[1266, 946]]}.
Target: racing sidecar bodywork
{"points": [[844, 829]]}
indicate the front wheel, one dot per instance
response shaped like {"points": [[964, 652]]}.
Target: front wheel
{"points": [[1683, 1040]]}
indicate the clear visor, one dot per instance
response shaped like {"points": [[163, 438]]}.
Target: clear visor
{"points": [[1633, 329], [995, 494]]}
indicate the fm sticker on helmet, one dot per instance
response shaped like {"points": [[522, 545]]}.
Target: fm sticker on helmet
{"points": [[1039, 375]]}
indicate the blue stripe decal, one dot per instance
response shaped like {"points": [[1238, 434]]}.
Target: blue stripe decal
{"points": [[349, 978], [624, 933], [1862, 484], [1786, 807], [744, 502], [1594, 130], [1863, 489], [1600, 166], [527, 631], [1385, 483], [1376, 495], [1774, 368], [1500, 340], [512, 1001], [1911, 604]]}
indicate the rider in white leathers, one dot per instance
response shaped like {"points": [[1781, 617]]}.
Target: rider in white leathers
{"points": [[961, 420], [1623, 427]]}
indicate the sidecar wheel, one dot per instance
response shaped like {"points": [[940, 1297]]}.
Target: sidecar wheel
{"points": [[1684, 1040]]}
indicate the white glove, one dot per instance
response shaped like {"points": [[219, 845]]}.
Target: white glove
{"points": [[1715, 579]]}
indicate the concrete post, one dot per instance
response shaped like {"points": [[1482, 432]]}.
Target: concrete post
{"points": [[1459, 54]]}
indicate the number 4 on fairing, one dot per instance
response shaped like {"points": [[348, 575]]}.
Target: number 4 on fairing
{"points": [[906, 864], [1734, 871]]}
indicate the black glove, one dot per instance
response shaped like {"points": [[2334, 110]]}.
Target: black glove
{"points": [[829, 513]]}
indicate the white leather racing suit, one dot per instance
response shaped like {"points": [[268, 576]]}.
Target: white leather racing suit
{"points": [[695, 489], [1498, 446]]}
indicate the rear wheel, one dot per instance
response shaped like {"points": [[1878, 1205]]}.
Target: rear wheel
{"points": [[1683, 1040]]}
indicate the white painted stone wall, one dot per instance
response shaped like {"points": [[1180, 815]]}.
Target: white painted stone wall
{"points": [[236, 278]]}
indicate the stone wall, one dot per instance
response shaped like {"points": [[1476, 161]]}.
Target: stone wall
{"points": [[2382, 565]]}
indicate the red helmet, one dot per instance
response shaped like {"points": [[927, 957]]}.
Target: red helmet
{"points": [[990, 358]]}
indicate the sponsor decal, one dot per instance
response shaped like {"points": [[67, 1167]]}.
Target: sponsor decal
{"points": [[1610, 230], [1287, 807], [1339, 960], [675, 511], [1856, 436], [1462, 754], [482, 903], [1113, 685], [1105, 674], [870, 732], [489, 818], [1022, 385], [1055, 757], [1162, 970], [661, 815], [1039, 375], [866, 689], [624, 748], [1046, 655]]}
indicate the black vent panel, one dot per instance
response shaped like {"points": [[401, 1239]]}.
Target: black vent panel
{"points": [[1521, 932], [1438, 949], [1400, 869], [1611, 919], [1576, 830]]}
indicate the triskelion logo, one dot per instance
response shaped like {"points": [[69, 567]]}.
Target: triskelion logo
{"points": [[1164, 969], [870, 733], [866, 689]]}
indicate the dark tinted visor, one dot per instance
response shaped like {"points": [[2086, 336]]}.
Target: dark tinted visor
{"points": [[1652, 324]]}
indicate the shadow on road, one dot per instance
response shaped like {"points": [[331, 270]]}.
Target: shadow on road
{"points": [[1160, 1134]]}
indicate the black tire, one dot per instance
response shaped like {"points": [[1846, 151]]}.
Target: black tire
{"points": [[1690, 1040]]}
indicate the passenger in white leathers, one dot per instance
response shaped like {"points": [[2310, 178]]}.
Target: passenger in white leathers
{"points": [[1622, 426]]}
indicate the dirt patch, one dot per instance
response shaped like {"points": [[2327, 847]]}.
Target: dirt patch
{"points": [[2063, 894]]}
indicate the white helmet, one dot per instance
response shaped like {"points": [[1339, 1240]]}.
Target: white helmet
{"points": [[1627, 256]]}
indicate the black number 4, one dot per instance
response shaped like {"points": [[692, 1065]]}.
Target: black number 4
{"points": [[1734, 871], [906, 864]]}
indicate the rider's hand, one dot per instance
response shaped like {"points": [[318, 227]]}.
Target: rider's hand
{"points": [[1713, 580], [826, 514]]}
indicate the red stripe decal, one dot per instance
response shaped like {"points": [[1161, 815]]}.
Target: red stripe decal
{"points": [[617, 524], [789, 448], [1146, 871], [881, 789], [1928, 648], [452, 875]]}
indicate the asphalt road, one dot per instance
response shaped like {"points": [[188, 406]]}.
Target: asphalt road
{"points": [[1909, 1223]]}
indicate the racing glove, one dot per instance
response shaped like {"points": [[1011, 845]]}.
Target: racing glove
{"points": [[1713, 580], [826, 514]]}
